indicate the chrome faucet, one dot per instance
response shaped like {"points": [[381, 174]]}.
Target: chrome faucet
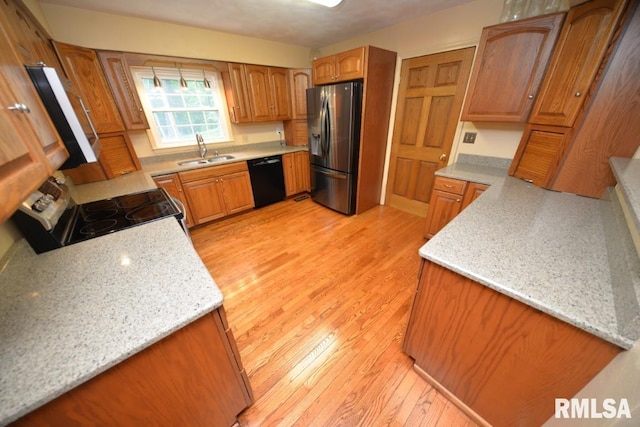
{"points": [[201, 146]]}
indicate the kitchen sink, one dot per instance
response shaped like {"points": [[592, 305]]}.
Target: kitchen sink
{"points": [[205, 161]]}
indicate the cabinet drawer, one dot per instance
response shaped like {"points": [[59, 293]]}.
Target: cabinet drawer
{"points": [[450, 185], [212, 171]]}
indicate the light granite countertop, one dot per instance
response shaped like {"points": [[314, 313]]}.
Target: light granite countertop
{"points": [[164, 164], [566, 255], [72, 313]]}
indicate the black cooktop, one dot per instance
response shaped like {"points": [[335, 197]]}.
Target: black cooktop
{"points": [[106, 216]]}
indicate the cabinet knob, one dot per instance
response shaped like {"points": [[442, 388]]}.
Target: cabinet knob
{"points": [[140, 110], [443, 157], [530, 96], [578, 94], [19, 107], [457, 200]]}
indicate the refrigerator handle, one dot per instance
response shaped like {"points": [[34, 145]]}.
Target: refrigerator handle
{"points": [[325, 129]]}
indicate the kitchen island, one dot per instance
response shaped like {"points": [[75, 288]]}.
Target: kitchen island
{"points": [[523, 297], [76, 316]]}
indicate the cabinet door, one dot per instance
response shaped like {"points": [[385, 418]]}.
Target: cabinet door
{"points": [[20, 89], [116, 156], [28, 37], [300, 81], [443, 207], [124, 90], [279, 94], [350, 64], [324, 70], [582, 45], [205, 199], [236, 192], [295, 132], [238, 94], [288, 167], [258, 85], [474, 190], [82, 67], [539, 154], [302, 171], [171, 184], [22, 165], [509, 67]]}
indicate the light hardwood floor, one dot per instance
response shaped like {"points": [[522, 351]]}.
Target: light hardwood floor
{"points": [[318, 303]]}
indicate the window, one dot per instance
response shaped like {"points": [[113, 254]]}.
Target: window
{"points": [[176, 114]]}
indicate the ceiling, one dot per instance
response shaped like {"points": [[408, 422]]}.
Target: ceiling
{"points": [[289, 21]]}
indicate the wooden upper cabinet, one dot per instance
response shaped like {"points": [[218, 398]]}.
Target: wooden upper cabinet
{"points": [[82, 67], [23, 167], [237, 94], [29, 39], [269, 93], [299, 81], [344, 66], [582, 45], [511, 61], [123, 88], [280, 93], [116, 156]]}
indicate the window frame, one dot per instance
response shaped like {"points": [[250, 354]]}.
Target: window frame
{"points": [[217, 89]]}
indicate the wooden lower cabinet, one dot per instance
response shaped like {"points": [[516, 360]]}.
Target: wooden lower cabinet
{"points": [[448, 199], [493, 356], [297, 178], [214, 192], [192, 377], [172, 185]]}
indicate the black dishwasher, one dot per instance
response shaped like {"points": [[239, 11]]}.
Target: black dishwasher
{"points": [[267, 180]]}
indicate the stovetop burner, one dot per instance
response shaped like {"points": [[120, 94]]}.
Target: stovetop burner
{"points": [[102, 217]]}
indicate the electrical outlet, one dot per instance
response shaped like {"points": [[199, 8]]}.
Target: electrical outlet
{"points": [[469, 137]]}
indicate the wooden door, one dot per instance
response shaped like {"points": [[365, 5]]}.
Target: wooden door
{"points": [[258, 85], [324, 70], [83, 69], [171, 184], [350, 64], [511, 61], [117, 155], [429, 101], [288, 167], [238, 94], [279, 94], [121, 81], [205, 199], [582, 45], [236, 191], [300, 81], [303, 172], [22, 163], [539, 154]]}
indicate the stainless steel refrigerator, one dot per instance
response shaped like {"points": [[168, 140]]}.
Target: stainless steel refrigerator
{"points": [[333, 122]]}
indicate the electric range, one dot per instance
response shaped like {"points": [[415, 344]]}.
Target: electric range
{"points": [[49, 219]]}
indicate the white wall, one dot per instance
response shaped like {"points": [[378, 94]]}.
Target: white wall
{"points": [[100, 30]]}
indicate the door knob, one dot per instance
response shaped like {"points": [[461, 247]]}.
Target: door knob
{"points": [[443, 157]]}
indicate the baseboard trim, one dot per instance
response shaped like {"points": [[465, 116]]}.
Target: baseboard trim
{"points": [[452, 397]]}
